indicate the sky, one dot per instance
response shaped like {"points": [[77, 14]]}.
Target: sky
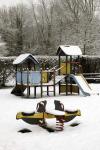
{"points": [[9, 2], [13, 2]]}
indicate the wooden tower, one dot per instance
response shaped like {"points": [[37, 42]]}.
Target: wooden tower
{"points": [[69, 62]]}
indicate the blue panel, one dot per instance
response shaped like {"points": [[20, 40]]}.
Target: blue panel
{"points": [[18, 76], [24, 77], [35, 77]]}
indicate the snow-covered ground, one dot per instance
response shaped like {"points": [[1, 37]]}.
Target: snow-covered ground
{"points": [[85, 136]]}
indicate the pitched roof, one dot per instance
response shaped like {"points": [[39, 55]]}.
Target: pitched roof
{"points": [[23, 57], [69, 50]]}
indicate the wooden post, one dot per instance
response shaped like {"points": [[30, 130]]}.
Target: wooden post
{"points": [[47, 82], [47, 90], [34, 91], [29, 68], [71, 86], [59, 74], [29, 91], [78, 91], [16, 74], [59, 64], [41, 84], [79, 69], [28, 82], [66, 77], [70, 64], [21, 76], [54, 83], [71, 73], [74, 68]]}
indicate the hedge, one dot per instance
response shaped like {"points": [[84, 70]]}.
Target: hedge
{"points": [[90, 64]]}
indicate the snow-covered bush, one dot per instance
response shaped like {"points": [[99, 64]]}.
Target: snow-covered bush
{"points": [[6, 69]]}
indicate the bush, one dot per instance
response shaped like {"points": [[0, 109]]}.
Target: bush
{"points": [[6, 69], [90, 64]]}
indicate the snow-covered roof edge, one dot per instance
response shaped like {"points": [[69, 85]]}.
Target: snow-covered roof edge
{"points": [[69, 50], [22, 58]]}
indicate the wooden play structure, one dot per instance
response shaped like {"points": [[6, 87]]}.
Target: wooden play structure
{"points": [[29, 74], [70, 65], [68, 74]]}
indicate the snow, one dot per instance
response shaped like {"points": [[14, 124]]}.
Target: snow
{"points": [[55, 112], [57, 79], [21, 58], [84, 136], [2, 43], [83, 84], [71, 50]]}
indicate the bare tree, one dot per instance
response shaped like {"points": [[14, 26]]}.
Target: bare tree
{"points": [[80, 16], [41, 27]]}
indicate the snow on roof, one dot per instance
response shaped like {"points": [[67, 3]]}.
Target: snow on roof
{"points": [[2, 43], [22, 58], [69, 50]]}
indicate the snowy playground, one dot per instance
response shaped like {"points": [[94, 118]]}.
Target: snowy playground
{"points": [[84, 136], [78, 118], [49, 75]]}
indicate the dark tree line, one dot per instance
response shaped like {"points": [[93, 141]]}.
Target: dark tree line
{"points": [[40, 29]]}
